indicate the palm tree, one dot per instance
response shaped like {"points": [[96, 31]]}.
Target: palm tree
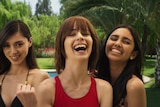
{"points": [[143, 15]]}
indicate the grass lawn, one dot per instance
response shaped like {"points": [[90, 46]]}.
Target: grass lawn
{"points": [[153, 94], [46, 63]]}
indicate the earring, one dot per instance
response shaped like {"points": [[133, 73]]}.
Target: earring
{"points": [[131, 58]]}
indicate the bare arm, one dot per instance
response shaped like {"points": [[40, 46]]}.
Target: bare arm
{"points": [[105, 93], [37, 76], [45, 93], [136, 95]]}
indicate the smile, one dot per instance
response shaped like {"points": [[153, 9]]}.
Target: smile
{"points": [[80, 47]]}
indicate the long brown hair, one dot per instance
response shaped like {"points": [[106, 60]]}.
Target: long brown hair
{"points": [[82, 24]]}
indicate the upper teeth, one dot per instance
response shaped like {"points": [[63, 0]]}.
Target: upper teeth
{"points": [[78, 46], [115, 50]]}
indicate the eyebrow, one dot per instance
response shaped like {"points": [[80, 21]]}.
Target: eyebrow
{"points": [[114, 35], [14, 42]]}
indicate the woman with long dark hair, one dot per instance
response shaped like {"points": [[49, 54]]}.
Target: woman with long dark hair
{"points": [[19, 73], [120, 63]]}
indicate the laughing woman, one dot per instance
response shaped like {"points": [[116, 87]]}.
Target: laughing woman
{"points": [[120, 63], [76, 56]]}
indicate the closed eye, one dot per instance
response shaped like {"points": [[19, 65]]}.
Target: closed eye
{"points": [[114, 37], [126, 41]]}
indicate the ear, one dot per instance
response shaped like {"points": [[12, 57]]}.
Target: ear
{"points": [[133, 55], [30, 41]]}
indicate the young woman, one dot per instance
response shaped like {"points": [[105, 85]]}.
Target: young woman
{"points": [[19, 72], [75, 57], [120, 63]]}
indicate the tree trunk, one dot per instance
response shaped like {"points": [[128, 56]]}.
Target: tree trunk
{"points": [[144, 39], [157, 68]]}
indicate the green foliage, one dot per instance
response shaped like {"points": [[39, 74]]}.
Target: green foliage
{"points": [[43, 8], [44, 30], [9, 11], [104, 14]]}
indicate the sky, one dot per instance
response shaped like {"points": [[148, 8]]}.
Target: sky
{"points": [[54, 3]]}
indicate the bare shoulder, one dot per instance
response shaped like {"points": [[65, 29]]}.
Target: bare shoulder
{"points": [[136, 95], [38, 72], [47, 84], [36, 76], [103, 83], [134, 84], [104, 91], [103, 87], [46, 93]]}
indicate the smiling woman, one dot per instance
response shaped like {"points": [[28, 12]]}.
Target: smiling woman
{"points": [[76, 54], [18, 67]]}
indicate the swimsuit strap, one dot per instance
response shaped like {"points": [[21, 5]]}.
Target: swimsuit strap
{"points": [[2, 81], [26, 80]]}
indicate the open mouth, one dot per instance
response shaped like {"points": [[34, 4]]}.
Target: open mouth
{"points": [[80, 47]]}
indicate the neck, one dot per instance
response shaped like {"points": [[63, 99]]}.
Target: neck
{"points": [[74, 74], [18, 69], [115, 70]]}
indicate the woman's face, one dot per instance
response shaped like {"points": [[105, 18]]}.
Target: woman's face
{"points": [[16, 48], [78, 45], [120, 45]]}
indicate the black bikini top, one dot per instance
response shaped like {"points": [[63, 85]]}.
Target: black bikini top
{"points": [[16, 102]]}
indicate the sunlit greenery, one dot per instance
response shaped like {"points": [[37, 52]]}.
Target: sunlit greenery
{"points": [[143, 15]]}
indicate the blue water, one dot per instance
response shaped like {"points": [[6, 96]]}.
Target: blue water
{"points": [[52, 74]]}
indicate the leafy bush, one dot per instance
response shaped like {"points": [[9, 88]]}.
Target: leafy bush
{"points": [[45, 52]]}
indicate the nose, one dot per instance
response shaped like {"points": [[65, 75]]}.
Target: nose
{"points": [[13, 49], [80, 36], [118, 43]]}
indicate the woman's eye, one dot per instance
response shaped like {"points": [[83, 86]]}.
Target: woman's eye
{"points": [[5, 45], [72, 34], [85, 34], [114, 38], [19, 44], [126, 41]]}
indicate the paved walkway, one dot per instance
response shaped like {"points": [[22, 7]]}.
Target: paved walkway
{"points": [[146, 79]]}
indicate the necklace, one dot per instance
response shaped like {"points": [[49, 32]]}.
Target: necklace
{"points": [[1, 83]]}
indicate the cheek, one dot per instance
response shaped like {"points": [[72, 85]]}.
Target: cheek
{"points": [[129, 51], [108, 45], [5, 51]]}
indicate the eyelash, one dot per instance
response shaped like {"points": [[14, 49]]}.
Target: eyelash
{"points": [[84, 34], [16, 45], [124, 41]]}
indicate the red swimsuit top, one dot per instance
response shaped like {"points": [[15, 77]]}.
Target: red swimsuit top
{"points": [[63, 100]]}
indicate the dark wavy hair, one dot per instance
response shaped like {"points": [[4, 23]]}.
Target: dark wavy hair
{"points": [[132, 67], [9, 30], [82, 24]]}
